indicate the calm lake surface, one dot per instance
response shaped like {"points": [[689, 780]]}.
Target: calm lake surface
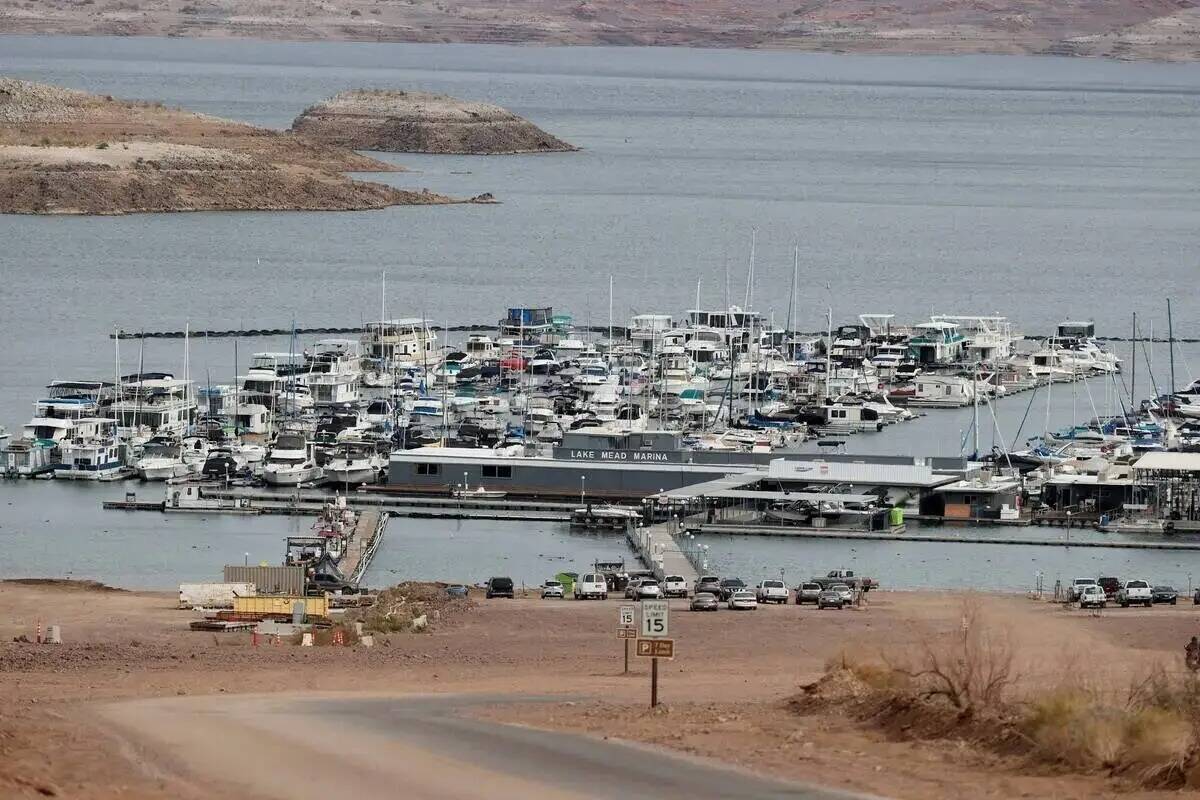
{"points": [[1033, 187]]}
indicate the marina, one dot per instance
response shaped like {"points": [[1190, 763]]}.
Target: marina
{"points": [[688, 354]]}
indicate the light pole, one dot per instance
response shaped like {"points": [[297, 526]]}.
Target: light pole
{"points": [[245, 559], [582, 483]]}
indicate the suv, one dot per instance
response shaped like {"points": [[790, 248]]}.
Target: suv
{"points": [[1135, 592], [1110, 586], [771, 591], [500, 587], [647, 589], [807, 593], [552, 589], [675, 586], [708, 584], [591, 584], [731, 585]]}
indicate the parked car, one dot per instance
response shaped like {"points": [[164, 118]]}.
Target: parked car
{"points": [[807, 593], [591, 584], [500, 587], [731, 585], [845, 591], [828, 598], [648, 589], [552, 589], [457, 590], [631, 587], [1135, 592], [771, 591], [707, 583], [1076, 588], [1092, 596], [318, 585], [743, 600], [1196, 598], [1164, 594], [675, 586], [1110, 586], [705, 601]]}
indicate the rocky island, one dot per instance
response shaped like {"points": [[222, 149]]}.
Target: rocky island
{"points": [[70, 152], [418, 122]]}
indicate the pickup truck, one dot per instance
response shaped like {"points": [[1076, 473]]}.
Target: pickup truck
{"points": [[847, 577], [1135, 592]]}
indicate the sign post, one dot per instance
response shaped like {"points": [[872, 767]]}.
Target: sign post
{"points": [[653, 642], [626, 631]]}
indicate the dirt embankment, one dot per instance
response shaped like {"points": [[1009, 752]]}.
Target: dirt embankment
{"points": [[726, 692], [418, 122], [1130, 29], [70, 152]]}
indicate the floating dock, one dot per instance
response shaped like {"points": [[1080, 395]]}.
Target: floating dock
{"points": [[658, 549]]}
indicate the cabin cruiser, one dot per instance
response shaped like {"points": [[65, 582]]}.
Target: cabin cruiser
{"points": [[942, 390], [161, 460], [291, 460], [354, 463], [936, 343]]}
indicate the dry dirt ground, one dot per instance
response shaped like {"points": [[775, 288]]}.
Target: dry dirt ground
{"points": [[1134, 29], [724, 695]]}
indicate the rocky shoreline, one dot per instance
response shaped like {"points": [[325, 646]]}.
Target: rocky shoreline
{"points": [[69, 152]]}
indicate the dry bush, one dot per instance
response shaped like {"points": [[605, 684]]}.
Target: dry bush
{"points": [[973, 671], [1151, 737], [876, 675]]}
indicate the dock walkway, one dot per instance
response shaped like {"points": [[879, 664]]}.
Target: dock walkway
{"points": [[363, 543], [660, 551]]}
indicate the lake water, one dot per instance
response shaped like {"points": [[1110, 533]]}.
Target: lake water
{"points": [[1034, 187]]}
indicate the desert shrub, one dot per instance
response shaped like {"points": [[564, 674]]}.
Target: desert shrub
{"points": [[972, 671]]}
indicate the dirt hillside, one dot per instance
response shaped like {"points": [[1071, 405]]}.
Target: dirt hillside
{"points": [[1128, 29], [69, 152], [418, 122]]}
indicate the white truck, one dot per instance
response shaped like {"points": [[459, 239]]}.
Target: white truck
{"points": [[213, 595], [771, 591], [1135, 592], [675, 586]]}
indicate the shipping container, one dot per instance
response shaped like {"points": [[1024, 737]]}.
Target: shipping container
{"points": [[278, 604], [213, 595], [268, 580]]}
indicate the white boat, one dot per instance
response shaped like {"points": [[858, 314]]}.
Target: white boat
{"points": [[353, 464], [291, 461], [161, 460], [4, 437], [942, 390]]}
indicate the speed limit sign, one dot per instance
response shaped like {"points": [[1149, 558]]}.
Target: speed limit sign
{"points": [[654, 619]]}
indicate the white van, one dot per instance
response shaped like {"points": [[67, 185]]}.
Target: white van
{"points": [[591, 584]]}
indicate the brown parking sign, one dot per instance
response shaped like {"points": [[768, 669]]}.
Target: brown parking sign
{"points": [[656, 648]]}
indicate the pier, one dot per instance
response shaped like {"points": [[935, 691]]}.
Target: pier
{"points": [[363, 544], [658, 549]]}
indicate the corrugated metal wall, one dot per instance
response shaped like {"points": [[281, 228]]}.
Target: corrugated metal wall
{"points": [[268, 580]]}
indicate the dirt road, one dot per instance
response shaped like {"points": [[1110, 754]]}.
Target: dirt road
{"points": [[420, 742]]}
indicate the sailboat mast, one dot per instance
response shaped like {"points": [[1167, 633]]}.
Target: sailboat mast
{"points": [[1171, 344], [828, 349], [975, 410], [610, 313], [1133, 345]]}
